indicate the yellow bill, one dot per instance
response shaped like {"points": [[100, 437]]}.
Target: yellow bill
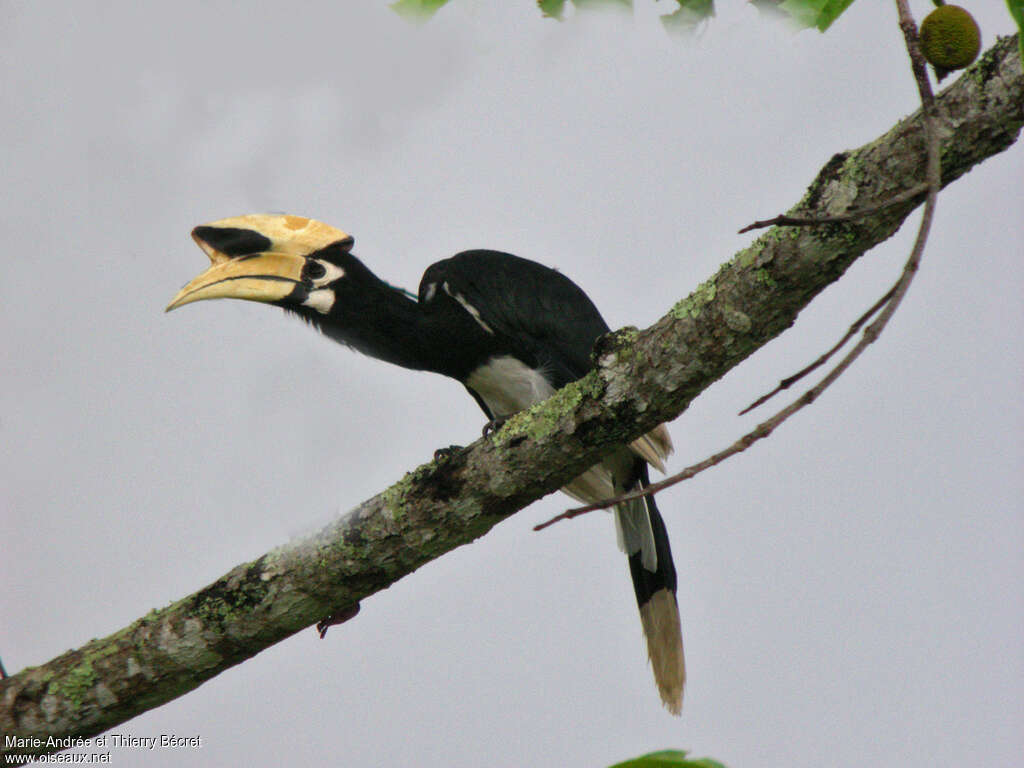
{"points": [[258, 257]]}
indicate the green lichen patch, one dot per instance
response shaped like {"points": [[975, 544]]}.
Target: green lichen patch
{"points": [[241, 590], [395, 496], [74, 685], [545, 418], [692, 305], [764, 277], [615, 342], [736, 320]]}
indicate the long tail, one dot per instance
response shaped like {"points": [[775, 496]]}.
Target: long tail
{"points": [[643, 536]]}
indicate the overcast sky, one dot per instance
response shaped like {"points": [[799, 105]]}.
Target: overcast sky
{"points": [[851, 589]]}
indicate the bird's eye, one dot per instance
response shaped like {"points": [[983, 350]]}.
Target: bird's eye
{"points": [[317, 273], [313, 270]]}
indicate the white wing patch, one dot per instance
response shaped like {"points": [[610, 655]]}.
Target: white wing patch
{"points": [[473, 311]]}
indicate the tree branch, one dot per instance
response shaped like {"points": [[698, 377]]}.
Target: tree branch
{"points": [[886, 306], [641, 379]]}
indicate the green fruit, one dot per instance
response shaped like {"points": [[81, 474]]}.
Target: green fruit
{"points": [[950, 38]]}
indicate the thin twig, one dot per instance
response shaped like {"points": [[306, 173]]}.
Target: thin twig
{"points": [[856, 326], [762, 430], [933, 183], [782, 220]]}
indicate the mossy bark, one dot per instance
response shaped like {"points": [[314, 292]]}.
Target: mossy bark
{"points": [[641, 378]]}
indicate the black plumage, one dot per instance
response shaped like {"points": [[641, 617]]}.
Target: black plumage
{"points": [[512, 331], [537, 315]]}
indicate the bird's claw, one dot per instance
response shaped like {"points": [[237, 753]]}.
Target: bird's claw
{"points": [[493, 426], [443, 454], [338, 617]]}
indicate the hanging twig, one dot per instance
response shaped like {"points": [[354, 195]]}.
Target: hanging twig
{"points": [[856, 326], [933, 181]]}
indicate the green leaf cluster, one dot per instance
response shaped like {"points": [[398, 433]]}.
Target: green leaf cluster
{"points": [[688, 16], [602, 3], [417, 10], [552, 8], [815, 13], [669, 758], [685, 18], [1016, 8]]}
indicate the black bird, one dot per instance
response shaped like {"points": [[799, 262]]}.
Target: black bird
{"points": [[510, 330]]}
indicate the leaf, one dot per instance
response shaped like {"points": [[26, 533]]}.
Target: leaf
{"points": [[586, 5], [769, 8], [686, 18], [815, 13], [668, 758], [552, 8], [1016, 8], [417, 10]]}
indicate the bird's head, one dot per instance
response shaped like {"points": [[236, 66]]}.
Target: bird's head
{"points": [[290, 261]]}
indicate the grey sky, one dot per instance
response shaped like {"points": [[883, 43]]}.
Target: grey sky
{"points": [[850, 590]]}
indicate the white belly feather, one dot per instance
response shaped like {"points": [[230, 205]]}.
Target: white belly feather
{"points": [[508, 385]]}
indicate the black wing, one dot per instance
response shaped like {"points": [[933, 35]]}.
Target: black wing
{"points": [[538, 313]]}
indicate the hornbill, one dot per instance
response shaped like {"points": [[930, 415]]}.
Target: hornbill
{"points": [[510, 330]]}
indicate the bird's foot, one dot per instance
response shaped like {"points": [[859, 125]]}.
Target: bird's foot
{"points": [[443, 454], [338, 617], [493, 426]]}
